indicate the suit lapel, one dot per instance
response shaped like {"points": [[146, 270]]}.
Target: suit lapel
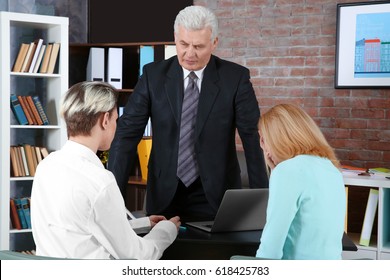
{"points": [[174, 89], [208, 93]]}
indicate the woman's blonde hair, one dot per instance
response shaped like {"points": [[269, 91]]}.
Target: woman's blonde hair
{"points": [[84, 103], [289, 131]]}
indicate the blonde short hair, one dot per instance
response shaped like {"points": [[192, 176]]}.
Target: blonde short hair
{"points": [[84, 102]]}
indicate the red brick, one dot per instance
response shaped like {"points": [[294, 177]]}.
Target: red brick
{"points": [[289, 47]]}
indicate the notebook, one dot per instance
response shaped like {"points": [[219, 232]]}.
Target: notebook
{"points": [[240, 210]]}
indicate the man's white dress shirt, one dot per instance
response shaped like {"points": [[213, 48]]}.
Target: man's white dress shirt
{"points": [[77, 211]]}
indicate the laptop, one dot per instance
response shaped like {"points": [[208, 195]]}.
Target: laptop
{"points": [[240, 210]]}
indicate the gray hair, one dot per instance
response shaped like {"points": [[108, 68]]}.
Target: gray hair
{"points": [[197, 18], [84, 102]]}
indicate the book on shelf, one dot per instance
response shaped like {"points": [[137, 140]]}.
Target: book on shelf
{"points": [[44, 152], [24, 105], [19, 161], [45, 59], [41, 111], [15, 221], [369, 216], [38, 45], [20, 57], [30, 160], [380, 172], [34, 110], [24, 161], [29, 110], [18, 110], [26, 210], [29, 57], [38, 153], [27, 252], [14, 162], [39, 59], [20, 212], [53, 58], [350, 169], [34, 157]]}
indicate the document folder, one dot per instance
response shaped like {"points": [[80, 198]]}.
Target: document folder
{"points": [[114, 68], [144, 148], [95, 66], [169, 51], [146, 56]]}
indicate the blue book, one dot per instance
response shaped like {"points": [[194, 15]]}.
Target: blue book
{"points": [[41, 112], [18, 110], [20, 212], [146, 55], [26, 211]]}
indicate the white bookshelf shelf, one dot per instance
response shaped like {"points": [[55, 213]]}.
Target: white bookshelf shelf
{"points": [[49, 87], [379, 247]]}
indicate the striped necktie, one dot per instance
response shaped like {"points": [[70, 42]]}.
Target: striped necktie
{"points": [[187, 168]]}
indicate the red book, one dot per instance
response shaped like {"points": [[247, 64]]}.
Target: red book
{"points": [[14, 215]]}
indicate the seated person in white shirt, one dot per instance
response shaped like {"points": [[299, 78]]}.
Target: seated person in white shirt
{"points": [[77, 209]]}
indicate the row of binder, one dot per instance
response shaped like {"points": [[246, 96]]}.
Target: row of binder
{"points": [[96, 67], [96, 63]]}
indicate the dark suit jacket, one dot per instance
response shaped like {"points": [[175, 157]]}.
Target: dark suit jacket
{"points": [[227, 101]]}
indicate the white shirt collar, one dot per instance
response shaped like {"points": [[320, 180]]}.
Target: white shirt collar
{"points": [[199, 73]]}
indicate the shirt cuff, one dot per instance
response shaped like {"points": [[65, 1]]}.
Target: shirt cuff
{"points": [[141, 225]]}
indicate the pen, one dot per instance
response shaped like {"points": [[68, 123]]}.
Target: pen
{"points": [[182, 228]]}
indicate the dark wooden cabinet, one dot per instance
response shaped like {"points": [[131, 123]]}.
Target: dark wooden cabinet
{"points": [[135, 193], [78, 60]]}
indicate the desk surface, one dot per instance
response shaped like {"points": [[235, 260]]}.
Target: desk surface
{"points": [[197, 244]]}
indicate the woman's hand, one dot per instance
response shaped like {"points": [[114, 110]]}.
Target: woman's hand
{"points": [[176, 221], [269, 161], [154, 219]]}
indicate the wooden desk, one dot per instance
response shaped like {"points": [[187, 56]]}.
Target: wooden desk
{"points": [[195, 244]]}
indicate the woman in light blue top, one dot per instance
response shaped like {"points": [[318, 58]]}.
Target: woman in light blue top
{"points": [[307, 202]]}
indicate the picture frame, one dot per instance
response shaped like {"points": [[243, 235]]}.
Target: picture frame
{"points": [[363, 45]]}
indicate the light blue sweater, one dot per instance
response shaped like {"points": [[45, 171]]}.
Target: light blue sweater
{"points": [[306, 210]]}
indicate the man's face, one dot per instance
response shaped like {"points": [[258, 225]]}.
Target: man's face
{"points": [[194, 48]]}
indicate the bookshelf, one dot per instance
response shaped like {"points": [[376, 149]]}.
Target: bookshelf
{"points": [[49, 88], [379, 247]]}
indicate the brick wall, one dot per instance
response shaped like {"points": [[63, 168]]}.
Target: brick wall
{"points": [[289, 47]]}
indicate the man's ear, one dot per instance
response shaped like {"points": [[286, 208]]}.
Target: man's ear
{"points": [[215, 43]]}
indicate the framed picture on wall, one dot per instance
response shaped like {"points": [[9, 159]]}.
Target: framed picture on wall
{"points": [[363, 45]]}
